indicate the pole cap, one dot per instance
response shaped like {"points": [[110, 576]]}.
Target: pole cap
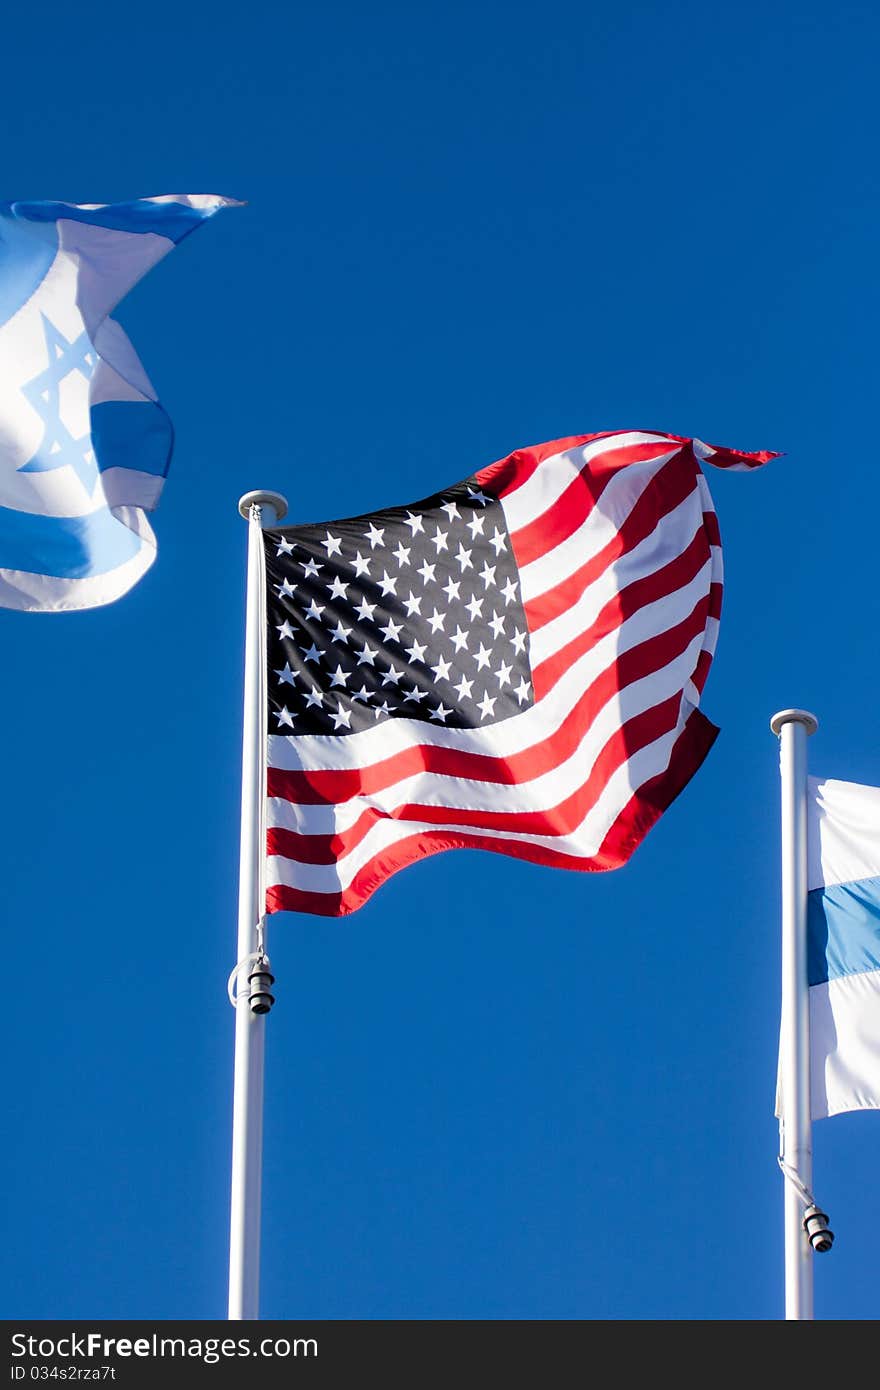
{"points": [[262, 498], [794, 716]]}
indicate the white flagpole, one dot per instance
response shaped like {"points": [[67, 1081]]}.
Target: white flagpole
{"points": [[793, 727], [252, 999]]}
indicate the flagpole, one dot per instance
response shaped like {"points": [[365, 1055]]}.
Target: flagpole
{"points": [[793, 727], [252, 999]]}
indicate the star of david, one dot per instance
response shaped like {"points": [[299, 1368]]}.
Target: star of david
{"points": [[58, 446]]}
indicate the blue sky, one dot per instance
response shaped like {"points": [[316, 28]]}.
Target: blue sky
{"points": [[497, 1091]]}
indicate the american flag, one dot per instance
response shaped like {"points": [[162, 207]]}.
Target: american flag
{"points": [[513, 664]]}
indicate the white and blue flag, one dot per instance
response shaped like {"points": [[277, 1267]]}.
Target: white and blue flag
{"points": [[84, 443], [843, 930]]}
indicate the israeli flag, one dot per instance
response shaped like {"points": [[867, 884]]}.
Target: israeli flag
{"points": [[84, 443], [843, 952]]}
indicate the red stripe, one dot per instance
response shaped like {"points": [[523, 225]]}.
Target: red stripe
{"points": [[621, 606], [666, 490], [716, 593], [735, 458], [329, 787], [635, 820], [704, 661], [572, 508], [713, 531]]}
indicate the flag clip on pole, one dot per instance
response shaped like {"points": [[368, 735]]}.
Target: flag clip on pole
{"points": [[802, 1236], [252, 1003]]}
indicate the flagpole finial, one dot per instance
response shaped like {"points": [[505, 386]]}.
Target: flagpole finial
{"points": [[794, 716], [262, 498]]}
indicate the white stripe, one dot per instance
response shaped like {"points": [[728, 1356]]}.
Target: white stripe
{"points": [[119, 375], [551, 478], [202, 202], [843, 832], [599, 528], [845, 1045], [128, 487], [323, 752]]}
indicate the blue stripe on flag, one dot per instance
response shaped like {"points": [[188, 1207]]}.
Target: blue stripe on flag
{"points": [[66, 547], [171, 220], [843, 930], [26, 253], [132, 434]]}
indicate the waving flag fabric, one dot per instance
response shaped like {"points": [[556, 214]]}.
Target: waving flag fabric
{"points": [[843, 928], [84, 443], [513, 664]]}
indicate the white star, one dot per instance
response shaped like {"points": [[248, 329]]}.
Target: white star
{"points": [[384, 708], [441, 670], [441, 713], [340, 677], [415, 695], [332, 545], [362, 694], [482, 657], [509, 591], [285, 547], [451, 589], [498, 540], [502, 675], [439, 540], [519, 640], [476, 524], [496, 622], [340, 633], [392, 675], [374, 535], [387, 584], [401, 554], [361, 566], [313, 654], [450, 509], [286, 676], [314, 697], [390, 633], [487, 705], [487, 574], [337, 589], [367, 656], [522, 691], [314, 610], [341, 717], [285, 717], [459, 639], [413, 604], [285, 589], [416, 652], [464, 559], [477, 496], [475, 607], [427, 572], [311, 566], [365, 610], [285, 630], [464, 688], [437, 620], [414, 522]]}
